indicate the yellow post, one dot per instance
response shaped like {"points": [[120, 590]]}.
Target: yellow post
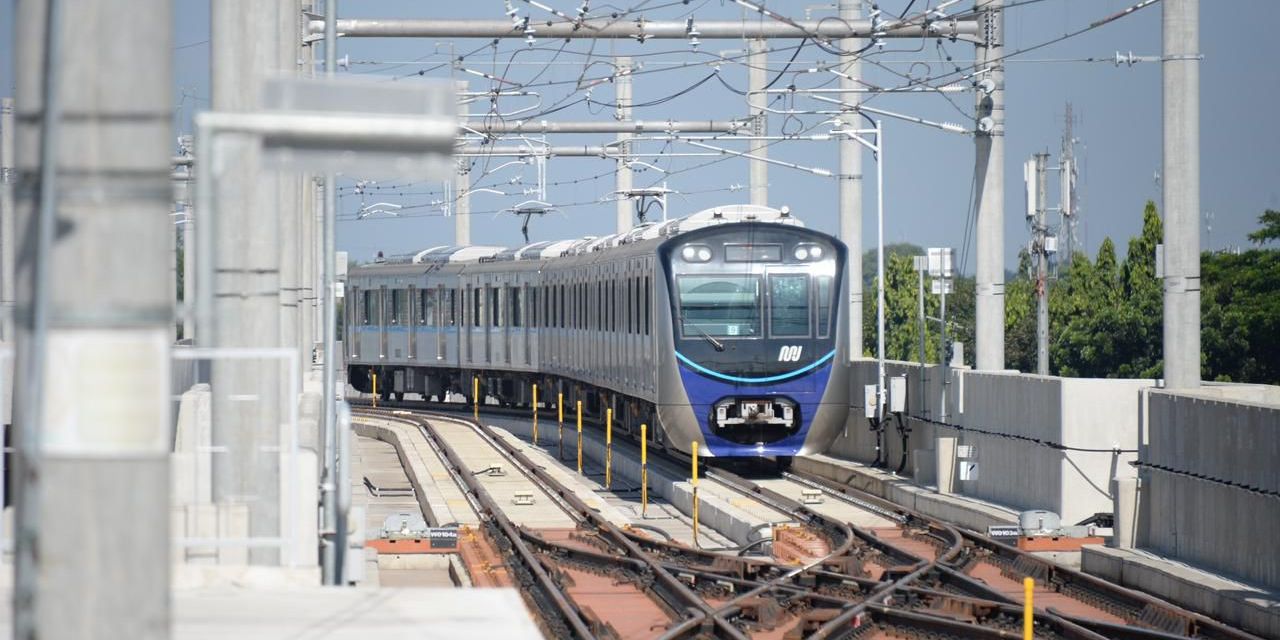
{"points": [[579, 437], [1028, 610], [560, 411], [535, 415], [694, 447], [475, 396], [375, 391], [608, 447], [644, 470]]}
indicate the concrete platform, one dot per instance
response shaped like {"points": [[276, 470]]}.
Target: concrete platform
{"points": [[439, 498], [335, 614], [960, 510], [1235, 603], [830, 507]]}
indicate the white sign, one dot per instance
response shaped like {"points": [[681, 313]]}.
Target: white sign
{"points": [[869, 394], [898, 394], [941, 286], [968, 470], [1004, 531], [964, 451], [940, 262]]}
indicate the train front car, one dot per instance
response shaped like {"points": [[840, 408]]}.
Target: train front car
{"points": [[759, 359]]}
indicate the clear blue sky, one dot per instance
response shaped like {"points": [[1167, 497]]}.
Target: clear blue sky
{"points": [[927, 173]]}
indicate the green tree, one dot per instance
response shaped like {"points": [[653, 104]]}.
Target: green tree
{"points": [[901, 320], [1240, 316], [1270, 221]]}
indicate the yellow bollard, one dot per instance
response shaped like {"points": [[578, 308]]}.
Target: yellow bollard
{"points": [[375, 391], [560, 411], [608, 447], [579, 437], [535, 415], [644, 470], [1028, 610], [694, 447], [475, 396]]}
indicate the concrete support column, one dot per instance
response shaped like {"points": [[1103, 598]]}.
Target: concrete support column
{"points": [[1126, 501], [1181, 182], [92, 417], [246, 393], [757, 74], [623, 182], [287, 39], [7, 176], [462, 194], [850, 195], [989, 312]]}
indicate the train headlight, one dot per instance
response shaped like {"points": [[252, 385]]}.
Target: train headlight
{"points": [[807, 252], [696, 253]]}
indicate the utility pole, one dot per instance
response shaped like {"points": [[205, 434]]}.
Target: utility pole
{"points": [[622, 113], [989, 143], [287, 37], [94, 315], [757, 71], [850, 183], [1181, 184], [462, 193], [330, 566], [7, 177], [1040, 253], [246, 286]]}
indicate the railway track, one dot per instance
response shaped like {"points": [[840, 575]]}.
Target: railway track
{"points": [[884, 571]]}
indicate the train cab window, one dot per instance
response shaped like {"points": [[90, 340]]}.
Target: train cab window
{"points": [[515, 313], [789, 305], [824, 306], [719, 305]]}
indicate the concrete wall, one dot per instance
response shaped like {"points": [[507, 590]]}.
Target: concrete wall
{"points": [[1222, 528], [1016, 410]]}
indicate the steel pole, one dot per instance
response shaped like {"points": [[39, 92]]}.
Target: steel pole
{"points": [[757, 72], [327, 269], [623, 181], [462, 194], [921, 268], [989, 144], [94, 316], [1042, 268], [880, 394], [851, 184], [1181, 184]]}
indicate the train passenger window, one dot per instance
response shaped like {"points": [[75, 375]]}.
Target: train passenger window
{"points": [[450, 308], [533, 306], [647, 302], [719, 305], [399, 307], [370, 311], [789, 305], [427, 307], [495, 302], [824, 306], [476, 317], [630, 310], [515, 316]]}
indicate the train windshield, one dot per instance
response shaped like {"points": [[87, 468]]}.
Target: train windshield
{"points": [[719, 305]]}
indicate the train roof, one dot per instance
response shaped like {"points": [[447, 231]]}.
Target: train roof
{"points": [[725, 214]]}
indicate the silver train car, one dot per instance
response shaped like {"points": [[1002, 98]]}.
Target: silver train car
{"points": [[724, 328]]}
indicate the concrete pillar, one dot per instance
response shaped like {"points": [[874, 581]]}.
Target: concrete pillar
{"points": [[851, 183], [757, 74], [623, 181], [287, 38], [92, 555], [462, 194], [1126, 496], [1181, 182], [246, 393], [946, 451], [989, 312]]}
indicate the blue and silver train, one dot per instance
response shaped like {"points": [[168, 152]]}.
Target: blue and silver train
{"points": [[724, 328]]}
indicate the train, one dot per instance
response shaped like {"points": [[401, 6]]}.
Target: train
{"points": [[723, 328]]}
